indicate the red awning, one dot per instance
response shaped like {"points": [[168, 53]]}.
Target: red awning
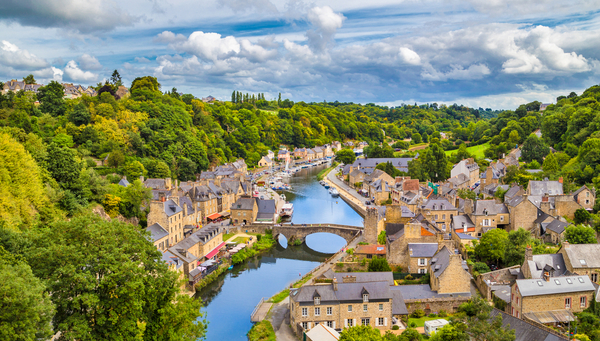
{"points": [[213, 216], [215, 251]]}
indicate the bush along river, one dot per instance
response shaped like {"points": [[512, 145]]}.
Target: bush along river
{"points": [[231, 298]]}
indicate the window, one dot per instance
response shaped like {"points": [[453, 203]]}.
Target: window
{"points": [[330, 324], [329, 310], [317, 311], [304, 325], [349, 321], [594, 277], [422, 261], [365, 298], [486, 222], [365, 307], [568, 303], [349, 308], [436, 217], [479, 234], [501, 218], [422, 271], [443, 217], [317, 300], [380, 321], [380, 307], [582, 301], [365, 321], [304, 312], [517, 300], [512, 297]]}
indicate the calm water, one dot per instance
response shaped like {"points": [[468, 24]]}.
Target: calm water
{"points": [[230, 300]]}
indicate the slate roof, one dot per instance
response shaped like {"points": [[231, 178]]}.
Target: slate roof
{"points": [[459, 220], [184, 200], [365, 277], [398, 305], [356, 173], [556, 285], [537, 200], [514, 201], [480, 207], [465, 236], [266, 207], [589, 253], [423, 291], [380, 185], [458, 179], [171, 259], [400, 163], [420, 250], [156, 193], [171, 208], [243, 204], [201, 193], [346, 169], [554, 264], [394, 231], [345, 292], [545, 187], [124, 182], [557, 226], [157, 232], [155, 183], [442, 258], [512, 192], [438, 204], [525, 331]]}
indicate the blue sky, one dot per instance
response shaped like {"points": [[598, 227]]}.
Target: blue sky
{"points": [[488, 53]]}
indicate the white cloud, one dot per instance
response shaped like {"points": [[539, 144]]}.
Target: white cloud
{"points": [[75, 74], [409, 56], [142, 60], [84, 16], [11, 55], [209, 46], [169, 37], [248, 5], [326, 23], [475, 71], [88, 62]]}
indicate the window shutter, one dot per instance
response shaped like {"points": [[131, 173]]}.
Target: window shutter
{"points": [[333, 324], [345, 323], [376, 322], [353, 322], [308, 325], [385, 321]]}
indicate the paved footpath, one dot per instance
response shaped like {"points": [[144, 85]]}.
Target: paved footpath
{"points": [[349, 193]]}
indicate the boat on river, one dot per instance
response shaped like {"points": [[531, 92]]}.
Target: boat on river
{"points": [[326, 185], [334, 192], [287, 210]]}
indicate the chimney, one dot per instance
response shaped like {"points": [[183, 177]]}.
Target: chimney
{"points": [[560, 179], [142, 178], [161, 196], [468, 206], [168, 183], [546, 276], [335, 284], [528, 253], [464, 225], [545, 198]]}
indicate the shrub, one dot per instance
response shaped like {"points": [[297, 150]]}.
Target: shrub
{"points": [[258, 238], [409, 277], [417, 314], [442, 313], [349, 269], [413, 325], [350, 251], [339, 265], [395, 327], [432, 315]]}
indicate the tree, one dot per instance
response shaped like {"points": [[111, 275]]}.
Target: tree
{"points": [[515, 247], [534, 149], [466, 194], [26, 307], [580, 234], [450, 332], [417, 138], [134, 170], [51, 98], [550, 164], [389, 168], [157, 169], [80, 115], [513, 138], [475, 320], [29, 79], [108, 283], [360, 333], [186, 169], [492, 245], [462, 153], [378, 265], [345, 156], [582, 216], [115, 79], [410, 334], [381, 238], [481, 267], [115, 159], [432, 165], [63, 165]]}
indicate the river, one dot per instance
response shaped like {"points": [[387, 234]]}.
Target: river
{"points": [[229, 301]]}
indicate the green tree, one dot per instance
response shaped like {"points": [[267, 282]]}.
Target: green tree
{"points": [[345, 156], [417, 138], [550, 164], [51, 99], [475, 316], [63, 165], [115, 79], [462, 153], [481, 267], [360, 333], [389, 168], [466, 194], [450, 332], [534, 149], [26, 307], [582, 216], [381, 238], [580, 234], [378, 265], [29, 79], [80, 115], [157, 169], [108, 283], [492, 245], [432, 164], [410, 334], [132, 198], [134, 170], [513, 138], [515, 247], [186, 169], [115, 159]]}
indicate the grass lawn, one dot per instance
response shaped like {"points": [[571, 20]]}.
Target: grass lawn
{"points": [[421, 322], [241, 240], [418, 146], [475, 150], [226, 236]]}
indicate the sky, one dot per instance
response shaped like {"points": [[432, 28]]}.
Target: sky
{"points": [[480, 53]]}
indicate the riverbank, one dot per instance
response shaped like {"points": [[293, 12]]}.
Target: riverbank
{"points": [[351, 199], [322, 174]]}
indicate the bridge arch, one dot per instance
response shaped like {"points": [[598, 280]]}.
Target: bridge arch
{"points": [[300, 232]]}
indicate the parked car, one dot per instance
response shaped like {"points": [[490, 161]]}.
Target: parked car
{"points": [[367, 202]]}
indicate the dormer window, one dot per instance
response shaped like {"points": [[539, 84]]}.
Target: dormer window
{"points": [[317, 300], [434, 207], [365, 297]]}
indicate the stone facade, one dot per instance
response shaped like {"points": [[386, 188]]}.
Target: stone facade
{"points": [[371, 226]]}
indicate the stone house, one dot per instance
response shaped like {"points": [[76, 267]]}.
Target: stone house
{"points": [[449, 273], [327, 150], [582, 259], [270, 154], [159, 236], [266, 211], [204, 200], [469, 168], [283, 156], [353, 301], [356, 176], [493, 174], [522, 213], [379, 191], [536, 266], [463, 224], [585, 197], [170, 216], [225, 196], [16, 86], [319, 152], [440, 212], [159, 184], [244, 210], [556, 298], [420, 256], [265, 161], [460, 181], [300, 153], [486, 215], [336, 145], [310, 154], [370, 251]]}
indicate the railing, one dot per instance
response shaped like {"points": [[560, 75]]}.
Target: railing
{"points": [[262, 300]]}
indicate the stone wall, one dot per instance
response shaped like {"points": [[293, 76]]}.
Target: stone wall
{"points": [[502, 277], [371, 220], [435, 305], [523, 215]]}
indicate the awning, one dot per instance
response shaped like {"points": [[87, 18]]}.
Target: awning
{"points": [[214, 216], [225, 214], [215, 251], [553, 316]]}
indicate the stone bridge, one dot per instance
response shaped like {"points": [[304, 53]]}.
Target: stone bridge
{"points": [[300, 231]]}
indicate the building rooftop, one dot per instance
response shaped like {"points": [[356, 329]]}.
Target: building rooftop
{"points": [[583, 255], [556, 285], [370, 249], [425, 250], [423, 291], [157, 231], [526, 331]]}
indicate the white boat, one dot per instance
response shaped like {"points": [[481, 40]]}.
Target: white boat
{"points": [[287, 210], [334, 192]]}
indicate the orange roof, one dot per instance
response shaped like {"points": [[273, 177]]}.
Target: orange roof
{"points": [[370, 249], [425, 232], [410, 185]]}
